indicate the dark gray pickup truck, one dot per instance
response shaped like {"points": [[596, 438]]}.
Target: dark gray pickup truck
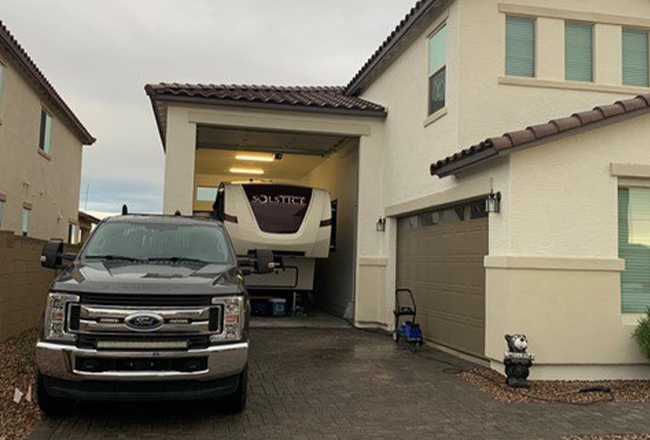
{"points": [[153, 307]]}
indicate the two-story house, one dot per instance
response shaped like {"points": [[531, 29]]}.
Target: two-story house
{"points": [[41, 143], [544, 230]]}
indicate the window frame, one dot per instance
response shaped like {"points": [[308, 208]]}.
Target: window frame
{"points": [[533, 20], [45, 131], [3, 75], [592, 29], [626, 185], [645, 31], [441, 70]]}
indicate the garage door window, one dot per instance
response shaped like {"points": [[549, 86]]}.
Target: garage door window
{"points": [[634, 248], [472, 211]]}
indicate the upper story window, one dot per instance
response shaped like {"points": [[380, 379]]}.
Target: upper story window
{"points": [[520, 46], [635, 58], [579, 52], [45, 139], [1, 207], [25, 220], [634, 248], [437, 69], [2, 69]]}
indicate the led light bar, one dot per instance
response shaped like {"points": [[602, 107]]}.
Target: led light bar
{"points": [[144, 345]]}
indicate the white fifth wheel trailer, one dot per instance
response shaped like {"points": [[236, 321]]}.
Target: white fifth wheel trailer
{"points": [[294, 222]]}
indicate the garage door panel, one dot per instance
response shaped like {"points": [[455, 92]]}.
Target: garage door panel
{"points": [[443, 265]]}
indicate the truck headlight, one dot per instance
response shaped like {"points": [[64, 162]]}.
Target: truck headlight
{"points": [[233, 316], [55, 317]]}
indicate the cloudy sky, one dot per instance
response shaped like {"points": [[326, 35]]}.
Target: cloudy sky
{"points": [[100, 54]]}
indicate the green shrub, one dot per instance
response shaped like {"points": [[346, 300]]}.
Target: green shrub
{"points": [[642, 335]]}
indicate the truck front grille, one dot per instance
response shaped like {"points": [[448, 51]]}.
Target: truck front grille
{"points": [[101, 365], [142, 322]]}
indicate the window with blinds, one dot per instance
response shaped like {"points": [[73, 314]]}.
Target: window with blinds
{"points": [[437, 69], [520, 46], [635, 58], [579, 52], [634, 248]]}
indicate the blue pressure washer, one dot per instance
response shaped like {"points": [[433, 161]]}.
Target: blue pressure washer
{"points": [[409, 330]]}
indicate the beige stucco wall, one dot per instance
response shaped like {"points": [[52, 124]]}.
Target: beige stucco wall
{"points": [[562, 274], [51, 185]]}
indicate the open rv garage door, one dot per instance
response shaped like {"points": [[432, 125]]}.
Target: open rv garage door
{"points": [[440, 258]]}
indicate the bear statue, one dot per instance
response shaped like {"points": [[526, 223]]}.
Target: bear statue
{"points": [[517, 361]]}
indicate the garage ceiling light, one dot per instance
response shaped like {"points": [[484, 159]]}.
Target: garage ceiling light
{"points": [[255, 171], [255, 157]]}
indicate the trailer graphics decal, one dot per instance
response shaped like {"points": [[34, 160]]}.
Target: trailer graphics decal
{"points": [[278, 209]]}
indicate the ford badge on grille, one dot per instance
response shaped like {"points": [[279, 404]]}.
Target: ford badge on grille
{"points": [[144, 321]]}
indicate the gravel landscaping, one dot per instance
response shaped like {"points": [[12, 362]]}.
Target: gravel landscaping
{"points": [[622, 391], [17, 371], [612, 437]]}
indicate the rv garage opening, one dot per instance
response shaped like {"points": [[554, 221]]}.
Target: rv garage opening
{"points": [[319, 160]]}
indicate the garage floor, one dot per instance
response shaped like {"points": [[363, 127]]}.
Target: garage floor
{"points": [[347, 384], [315, 319]]}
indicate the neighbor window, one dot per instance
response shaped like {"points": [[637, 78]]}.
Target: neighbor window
{"points": [[634, 248], [204, 194], [579, 52], [1, 207], [437, 69], [520, 46], [73, 234], [46, 132], [25, 225], [635, 58], [2, 68]]}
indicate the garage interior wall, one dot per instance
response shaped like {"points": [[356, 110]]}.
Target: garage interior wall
{"points": [[334, 283]]}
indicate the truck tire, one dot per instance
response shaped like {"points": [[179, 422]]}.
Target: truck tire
{"points": [[49, 405], [236, 402]]}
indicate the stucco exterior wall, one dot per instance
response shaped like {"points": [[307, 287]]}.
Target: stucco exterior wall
{"points": [[560, 282], [50, 185], [491, 103]]}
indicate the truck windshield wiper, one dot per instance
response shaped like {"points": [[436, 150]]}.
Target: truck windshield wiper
{"points": [[178, 259], [115, 257]]}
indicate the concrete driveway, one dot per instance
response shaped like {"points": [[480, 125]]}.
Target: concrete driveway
{"points": [[347, 384]]}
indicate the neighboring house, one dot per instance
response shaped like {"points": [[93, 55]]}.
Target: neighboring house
{"points": [[41, 142], [86, 224], [570, 199]]}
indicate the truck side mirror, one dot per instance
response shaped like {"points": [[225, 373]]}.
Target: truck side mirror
{"points": [[51, 257], [264, 261]]}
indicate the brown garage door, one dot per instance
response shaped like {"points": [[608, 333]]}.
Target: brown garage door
{"points": [[440, 258]]}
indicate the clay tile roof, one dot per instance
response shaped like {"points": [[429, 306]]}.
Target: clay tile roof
{"points": [[16, 53], [416, 13], [325, 98], [508, 142]]}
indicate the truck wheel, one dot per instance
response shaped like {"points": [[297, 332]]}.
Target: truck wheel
{"points": [[236, 402], [49, 405]]}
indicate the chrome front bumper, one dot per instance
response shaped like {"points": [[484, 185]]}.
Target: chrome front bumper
{"points": [[58, 361]]}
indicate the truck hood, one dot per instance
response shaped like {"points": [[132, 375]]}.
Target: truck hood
{"points": [[149, 278]]}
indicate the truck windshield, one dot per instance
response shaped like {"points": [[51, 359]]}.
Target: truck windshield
{"points": [[158, 242]]}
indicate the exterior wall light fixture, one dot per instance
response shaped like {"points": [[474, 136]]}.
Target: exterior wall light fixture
{"points": [[381, 224], [493, 203]]}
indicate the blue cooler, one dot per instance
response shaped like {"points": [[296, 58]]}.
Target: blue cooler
{"points": [[279, 306]]}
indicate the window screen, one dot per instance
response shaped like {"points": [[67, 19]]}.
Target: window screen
{"points": [[635, 58], [579, 52], [520, 46], [634, 248]]}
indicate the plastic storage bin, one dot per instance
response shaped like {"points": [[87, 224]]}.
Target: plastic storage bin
{"points": [[279, 307]]}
